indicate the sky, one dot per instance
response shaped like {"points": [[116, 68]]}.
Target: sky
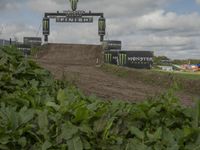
{"points": [[167, 27]]}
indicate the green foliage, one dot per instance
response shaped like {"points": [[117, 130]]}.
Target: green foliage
{"points": [[188, 61], [37, 112], [35, 50], [161, 60]]}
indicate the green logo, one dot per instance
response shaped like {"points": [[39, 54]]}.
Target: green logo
{"points": [[46, 24], [102, 24], [73, 4], [122, 59], [108, 58]]}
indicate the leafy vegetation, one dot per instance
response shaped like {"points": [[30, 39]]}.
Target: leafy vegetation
{"points": [[36, 49], [37, 112], [189, 61], [183, 75], [163, 60]]}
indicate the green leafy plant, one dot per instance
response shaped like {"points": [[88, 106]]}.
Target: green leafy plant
{"points": [[38, 112]]}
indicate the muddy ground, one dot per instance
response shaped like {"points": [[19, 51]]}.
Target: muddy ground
{"points": [[80, 64]]}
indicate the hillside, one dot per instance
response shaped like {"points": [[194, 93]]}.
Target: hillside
{"points": [[77, 64]]}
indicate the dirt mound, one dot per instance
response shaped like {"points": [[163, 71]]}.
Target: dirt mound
{"points": [[71, 54], [77, 63]]}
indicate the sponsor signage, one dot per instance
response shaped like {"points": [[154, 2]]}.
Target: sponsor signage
{"points": [[112, 45], [133, 59], [74, 13], [136, 59], [111, 57], [108, 58], [122, 59], [75, 19], [46, 26], [32, 41], [140, 59]]}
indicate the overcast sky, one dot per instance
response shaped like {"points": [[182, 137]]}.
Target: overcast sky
{"points": [[167, 27]]}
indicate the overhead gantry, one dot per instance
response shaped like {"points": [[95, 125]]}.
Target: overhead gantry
{"points": [[74, 16]]}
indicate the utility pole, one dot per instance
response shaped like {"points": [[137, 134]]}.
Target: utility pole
{"points": [[38, 31], [1, 31]]}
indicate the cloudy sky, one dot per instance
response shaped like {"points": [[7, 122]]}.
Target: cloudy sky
{"points": [[168, 27]]}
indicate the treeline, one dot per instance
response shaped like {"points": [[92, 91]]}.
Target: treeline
{"points": [[163, 60], [188, 61]]}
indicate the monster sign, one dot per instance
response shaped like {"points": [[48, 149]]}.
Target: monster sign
{"points": [[73, 4], [74, 16]]}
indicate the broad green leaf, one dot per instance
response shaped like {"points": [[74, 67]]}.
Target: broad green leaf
{"points": [[26, 115], [62, 96], [187, 131], [43, 123], [152, 112], [22, 141], [75, 143], [53, 105], [86, 145], [4, 147], [168, 138], [81, 114], [139, 134], [158, 133], [136, 145], [46, 145], [4, 139], [100, 124], [68, 130], [86, 129], [196, 120]]}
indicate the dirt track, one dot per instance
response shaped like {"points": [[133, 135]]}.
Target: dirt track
{"points": [[78, 63]]}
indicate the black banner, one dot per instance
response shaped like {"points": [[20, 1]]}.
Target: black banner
{"points": [[75, 19], [112, 45], [136, 59], [133, 59]]}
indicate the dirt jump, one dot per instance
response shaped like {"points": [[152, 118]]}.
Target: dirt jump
{"points": [[80, 64]]}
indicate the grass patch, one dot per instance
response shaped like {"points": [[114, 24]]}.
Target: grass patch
{"points": [[185, 82], [185, 75]]}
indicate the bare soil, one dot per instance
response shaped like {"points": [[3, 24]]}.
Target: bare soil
{"points": [[80, 65]]}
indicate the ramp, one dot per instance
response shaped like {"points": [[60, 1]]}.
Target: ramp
{"points": [[71, 54]]}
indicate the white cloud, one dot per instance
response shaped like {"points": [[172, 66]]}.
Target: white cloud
{"points": [[161, 20], [111, 8], [17, 31], [45, 5], [10, 5]]}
